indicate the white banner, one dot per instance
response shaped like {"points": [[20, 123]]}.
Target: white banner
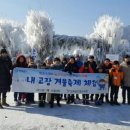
{"points": [[55, 81]]}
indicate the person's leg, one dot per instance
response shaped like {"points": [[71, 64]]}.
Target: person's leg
{"points": [[91, 97], [123, 94], [72, 98], [83, 96], [112, 94], [15, 96], [77, 96], [128, 95], [4, 103], [116, 96], [87, 99], [58, 99], [101, 97], [96, 97], [20, 96], [107, 95], [41, 98], [52, 100], [68, 99]]}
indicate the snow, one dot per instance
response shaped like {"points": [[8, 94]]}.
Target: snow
{"points": [[68, 117]]}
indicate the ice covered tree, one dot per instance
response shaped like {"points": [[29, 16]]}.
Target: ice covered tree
{"points": [[39, 32], [12, 37], [110, 29]]}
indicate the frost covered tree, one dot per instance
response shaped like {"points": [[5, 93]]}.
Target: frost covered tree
{"points": [[39, 32], [110, 29], [12, 37]]}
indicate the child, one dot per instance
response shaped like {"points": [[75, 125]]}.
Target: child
{"points": [[99, 97], [20, 62], [116, 76], [30, 96]]}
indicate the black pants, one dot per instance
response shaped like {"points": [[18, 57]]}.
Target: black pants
{"points": [[124, 90], [99, 97], [85, 96], [70, 98], [17, 96], [114, 93], [3, 94], [57, 96], [30, 97], [42, 96]]}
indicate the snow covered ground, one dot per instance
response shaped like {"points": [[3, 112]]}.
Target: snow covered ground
{"points": [[68, 117]]}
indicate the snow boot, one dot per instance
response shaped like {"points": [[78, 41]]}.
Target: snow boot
{"points": [[58, 104], [51, 105], [41, 104], [4, 102]]}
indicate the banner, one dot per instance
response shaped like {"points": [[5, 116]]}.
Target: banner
{"points": [[56, 81]]}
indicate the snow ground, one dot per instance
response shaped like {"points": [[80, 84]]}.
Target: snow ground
{"points": [[68, 117]]}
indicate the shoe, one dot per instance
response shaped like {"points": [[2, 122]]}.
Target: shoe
{"points": [[116, 103], [83, 102], [58, 104], [87, 102], [41, 104], [51, 105], [123, 102], [18, 103], [98, 102], [91, 99], [112, 103], [107, 101], [4, 102]]}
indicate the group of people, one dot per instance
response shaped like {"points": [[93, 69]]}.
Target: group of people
{"points": [[119, 74]]}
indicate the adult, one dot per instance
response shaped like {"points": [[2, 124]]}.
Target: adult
{"points": [[5, 76], [125, 67]]}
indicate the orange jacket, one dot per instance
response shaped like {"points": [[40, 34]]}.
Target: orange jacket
{"points": [[116, 77]]}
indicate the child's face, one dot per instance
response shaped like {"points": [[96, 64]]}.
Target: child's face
{"points": [[106, 62], [91, 60]]}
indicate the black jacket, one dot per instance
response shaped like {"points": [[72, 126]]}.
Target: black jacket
{"points": [[71, 68], [5, 76], [92, 64]]}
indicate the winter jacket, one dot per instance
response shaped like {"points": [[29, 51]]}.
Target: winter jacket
{"points": [[5, 76], [88, 67], [126, 70], [56, 67], [116, 77], [71, 68], [106, 68]]}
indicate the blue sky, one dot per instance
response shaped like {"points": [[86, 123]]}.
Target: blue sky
{"points": [[70, 17]]}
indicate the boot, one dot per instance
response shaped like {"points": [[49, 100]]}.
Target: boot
{"points": [[1, 107], [51, 105], [41, 104], [4, 102], [58, 104]]}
